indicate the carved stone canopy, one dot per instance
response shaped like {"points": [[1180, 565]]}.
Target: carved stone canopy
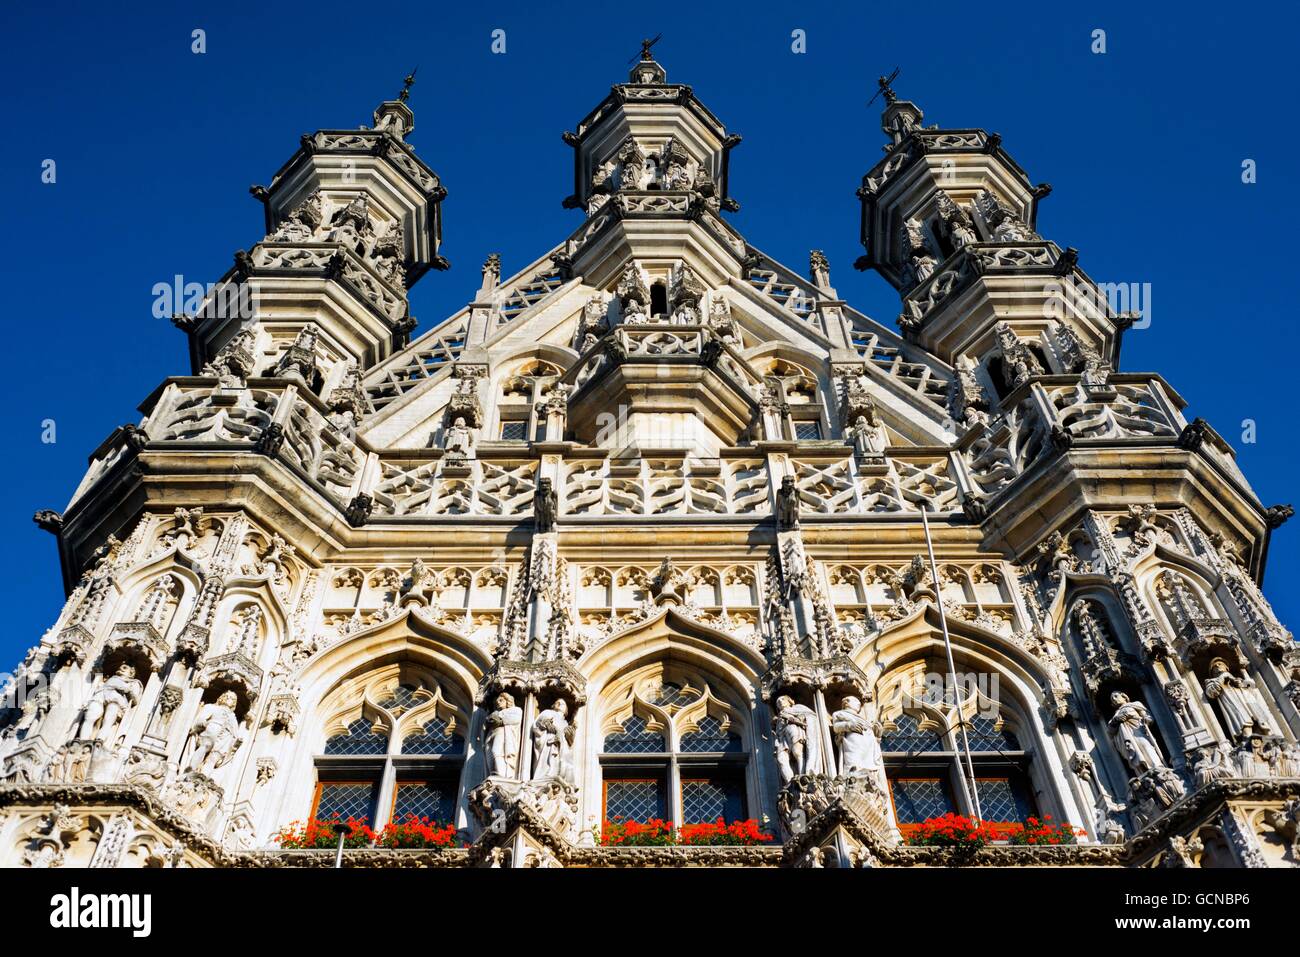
{"points": [[136, 643], [835, 676], [546, 679], [232, 672]]}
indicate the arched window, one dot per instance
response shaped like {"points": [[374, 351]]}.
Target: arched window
{"points": [[395, 749], [925, 760], [520, 396], [672, 750]]}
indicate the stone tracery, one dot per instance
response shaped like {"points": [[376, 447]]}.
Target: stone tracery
{"points": [[640, 527]]}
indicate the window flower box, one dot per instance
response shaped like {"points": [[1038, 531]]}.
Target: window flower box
{"points": [[413, 833], [416, 832], [660, 833], [317, 834], [958, 831]]}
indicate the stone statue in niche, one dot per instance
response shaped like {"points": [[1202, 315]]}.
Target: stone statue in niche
{"points": [[798, 745], [859, 749], [868, 435], [1131, 729], [459, 441], [552, 743], [502, 744], [215, 734], [110, 705], [1243, 713]]}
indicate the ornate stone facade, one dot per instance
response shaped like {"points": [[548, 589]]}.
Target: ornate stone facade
{"points": [[658, 527]]}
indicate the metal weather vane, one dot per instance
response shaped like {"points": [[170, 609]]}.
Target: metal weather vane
{"points": [[406, 86], [645, 49], [885, 88]]}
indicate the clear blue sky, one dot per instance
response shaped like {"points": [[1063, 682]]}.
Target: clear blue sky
{"points": [[156, 148]]}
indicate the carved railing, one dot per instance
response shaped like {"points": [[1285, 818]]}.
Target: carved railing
{"points": [[666, 486], [270, 416], [654, 342], [969, 263], [847, 486], [919, 144], [1054, 413], [1126, 407], [476, 487], [336, 261], [376, 143], [890, 356], [527, 291], [425, 358], [786, 290], [1003, 451]]}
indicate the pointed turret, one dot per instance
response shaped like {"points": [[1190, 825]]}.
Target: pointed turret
{"points": [[949, 219], [352, 222], [650, 135]]}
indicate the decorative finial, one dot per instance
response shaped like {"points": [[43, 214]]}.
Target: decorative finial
{"points": [[406, 86], [644, 68], [886, 89]]}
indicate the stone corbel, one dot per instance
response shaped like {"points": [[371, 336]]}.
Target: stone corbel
{"points": [[137, 643], [282, 715]]}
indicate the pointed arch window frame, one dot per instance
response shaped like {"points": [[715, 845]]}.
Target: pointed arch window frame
{"points": [[1001, 775], [397, 776], [677, 770]]}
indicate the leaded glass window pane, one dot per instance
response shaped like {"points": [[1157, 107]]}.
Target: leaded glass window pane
{"points": [[918, 799], [807, 431], [359, 739], [515, 431], [635, 738], [1003, 799], [435, 800], [634, 800], [907, 737], [710, 736], [983, 735], [671, 695], [346, 800], [709, 799], [434, 740], [402, 698]]}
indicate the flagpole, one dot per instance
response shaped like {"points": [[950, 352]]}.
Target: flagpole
{"points": [[969, 791]]}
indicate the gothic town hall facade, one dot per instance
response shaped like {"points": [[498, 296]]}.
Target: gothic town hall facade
{"points": [[657, 528]]}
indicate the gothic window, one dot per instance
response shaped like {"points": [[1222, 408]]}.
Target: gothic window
{"points": [[995, 368], [395, 748], [925, 763], [807, 430], [519, 399], [514, 430], [954, 585], [882, 583], [345, 800], [672, 750], [361, 737], [983, 593]]}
